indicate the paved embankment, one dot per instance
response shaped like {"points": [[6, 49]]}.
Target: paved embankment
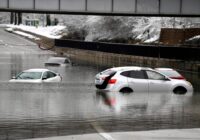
{"points": [[171, 134]]}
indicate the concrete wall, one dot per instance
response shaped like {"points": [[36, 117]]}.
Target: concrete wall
{"points": [[111, 59]]}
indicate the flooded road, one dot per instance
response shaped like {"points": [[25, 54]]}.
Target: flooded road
{"points": [[73, 106]]}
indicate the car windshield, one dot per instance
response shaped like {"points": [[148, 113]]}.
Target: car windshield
{"points": [[170, 73], [29, 75], [58, 60]]}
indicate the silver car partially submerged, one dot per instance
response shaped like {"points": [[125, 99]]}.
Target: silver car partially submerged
{"points": [[58, 61], [139, 79], [36, 76]]}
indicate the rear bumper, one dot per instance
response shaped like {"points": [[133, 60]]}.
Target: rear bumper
{"points": [[108, 88]]}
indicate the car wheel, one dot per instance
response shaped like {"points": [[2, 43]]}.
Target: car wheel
{"points": [[180, 90], [126, 90]]}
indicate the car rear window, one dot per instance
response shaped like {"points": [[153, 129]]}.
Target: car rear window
{"points": [[170, 73], [137, 74], [108, 72]]}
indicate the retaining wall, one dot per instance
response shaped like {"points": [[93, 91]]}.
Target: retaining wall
{"points": [[112, 59], [168, 52], [110, 54]]}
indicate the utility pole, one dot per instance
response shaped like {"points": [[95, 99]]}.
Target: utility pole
{"points": [[48, 20], [11, 18], [19, 18], [15, 15]]}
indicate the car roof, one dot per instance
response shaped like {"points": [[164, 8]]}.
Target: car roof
{"points": [[57, 57], [166, 69], [130, 68], [36, 70], [58, 60]]}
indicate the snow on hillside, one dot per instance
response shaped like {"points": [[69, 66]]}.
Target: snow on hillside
{"points": [[144, 29], [106, 28]]}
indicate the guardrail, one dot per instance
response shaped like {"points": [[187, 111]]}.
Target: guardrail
{"points": [[156, 51]]}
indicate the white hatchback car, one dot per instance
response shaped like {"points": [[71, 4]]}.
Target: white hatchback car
{"points": [[139, 79], [36, 76]]}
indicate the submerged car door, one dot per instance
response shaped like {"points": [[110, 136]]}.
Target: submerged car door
{"points": [[137, 81], [49, 77], [157, 82]]}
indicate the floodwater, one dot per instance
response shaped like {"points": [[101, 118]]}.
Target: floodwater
{"points": [[73, 106]]}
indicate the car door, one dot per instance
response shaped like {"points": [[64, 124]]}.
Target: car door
{"points": [[49, 77], [157, 82], [137, 81], [139, 84]]}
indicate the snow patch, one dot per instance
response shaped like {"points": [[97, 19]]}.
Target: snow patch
{"points": [[9, 29], [195, 37], [26, 35], [54, 32], [153, 39]]}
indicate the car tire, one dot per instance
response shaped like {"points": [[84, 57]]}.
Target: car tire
{"points": [[126, 90], [180, 90]]}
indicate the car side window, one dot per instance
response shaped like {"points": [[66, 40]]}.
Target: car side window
{"points": [[154, 75], [125, 73], [48, 74], [51, 74], [137, 74]]}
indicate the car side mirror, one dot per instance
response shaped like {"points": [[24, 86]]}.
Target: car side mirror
{"points": [[44, 78], [166, 79], [57, 74], [13, 77]]}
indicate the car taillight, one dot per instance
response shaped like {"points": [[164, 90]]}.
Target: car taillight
{"points": [[182, 78], [112, 81]]}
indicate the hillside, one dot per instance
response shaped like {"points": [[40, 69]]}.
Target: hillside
{"points": [[110, 29]]}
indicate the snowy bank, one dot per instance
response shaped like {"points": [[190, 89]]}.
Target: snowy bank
{"points": [[26, 35], [53, 32], [194, 40], [195, 37]]}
